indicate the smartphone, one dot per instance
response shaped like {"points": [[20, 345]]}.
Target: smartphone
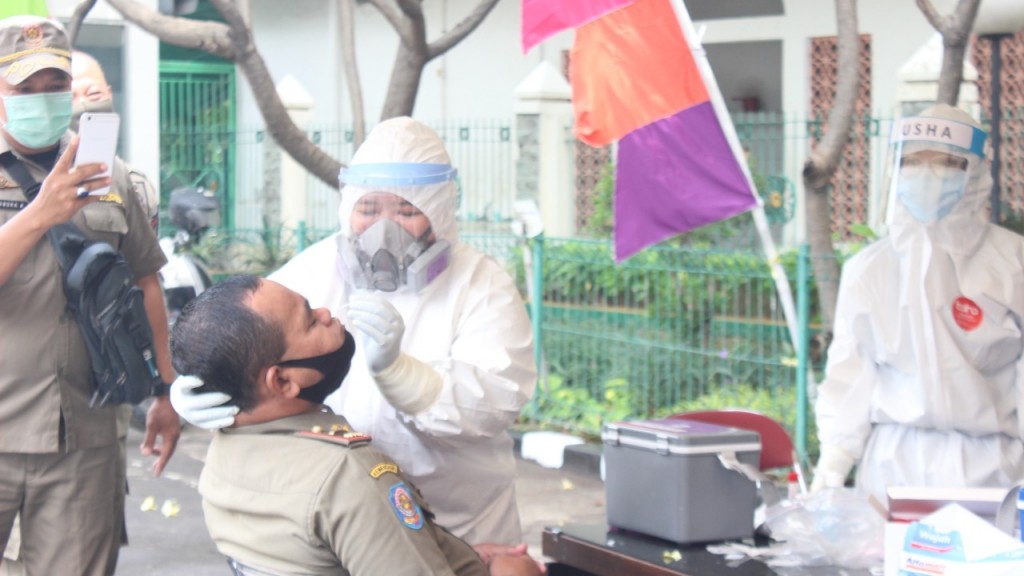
{"points": [[97, 132]]}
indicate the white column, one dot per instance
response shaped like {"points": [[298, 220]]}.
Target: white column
{"points": [[545, 96], [294, 178]]}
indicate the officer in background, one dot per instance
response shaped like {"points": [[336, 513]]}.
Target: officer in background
{"points": [[290, 488], [91, 93], [58, 455]]}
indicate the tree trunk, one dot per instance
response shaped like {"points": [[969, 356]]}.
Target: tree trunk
{"points": [[956, 31], [355, 87], [822, 162], [405, 81]]}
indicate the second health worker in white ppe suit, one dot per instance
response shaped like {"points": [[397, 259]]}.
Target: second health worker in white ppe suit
{"points": [[444, 360], [923, 385]]}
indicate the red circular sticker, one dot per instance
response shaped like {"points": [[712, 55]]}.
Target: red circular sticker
{"points": [[966, 313]]}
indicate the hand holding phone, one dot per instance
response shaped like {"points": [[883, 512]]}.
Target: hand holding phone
{"points": [[97, 132]]}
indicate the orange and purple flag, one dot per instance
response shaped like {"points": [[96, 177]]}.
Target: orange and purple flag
{"points": [[635, 80]]}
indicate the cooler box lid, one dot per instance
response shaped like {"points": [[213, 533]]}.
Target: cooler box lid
{"points": [[679, 436]]}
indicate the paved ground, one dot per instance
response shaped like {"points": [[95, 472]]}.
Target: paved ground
{"points": [[179, 545]]}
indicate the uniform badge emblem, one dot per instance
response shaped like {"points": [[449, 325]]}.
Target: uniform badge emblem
{"points": [[405, 506], [33, 35], [383, 468]]}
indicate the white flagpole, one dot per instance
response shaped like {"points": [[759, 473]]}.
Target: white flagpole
{"points": [[760, 222]]}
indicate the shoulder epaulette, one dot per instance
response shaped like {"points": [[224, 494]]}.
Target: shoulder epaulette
{"points": [[336, 434]]}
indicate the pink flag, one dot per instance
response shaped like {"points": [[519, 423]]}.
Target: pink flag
{"points": [[545, 18]]}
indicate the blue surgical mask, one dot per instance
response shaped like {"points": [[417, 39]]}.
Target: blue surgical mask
{"points": [[38, 120], [929, 197]]}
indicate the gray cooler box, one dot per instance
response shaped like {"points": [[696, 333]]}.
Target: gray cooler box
{"points": [[664, 478]]}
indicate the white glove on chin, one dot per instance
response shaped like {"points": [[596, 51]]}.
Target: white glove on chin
{"points": [[381, 326], [833, 467], [405, 382], [206, 410]]}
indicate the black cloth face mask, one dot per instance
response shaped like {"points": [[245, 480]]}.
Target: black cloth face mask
{"points": [[333, 365]]}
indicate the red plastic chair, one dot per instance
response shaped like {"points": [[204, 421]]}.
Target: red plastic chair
{"points": [[776, 445]]}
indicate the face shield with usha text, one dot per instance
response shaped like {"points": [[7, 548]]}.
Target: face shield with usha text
{"points": [[930, 161], [392, 243]]}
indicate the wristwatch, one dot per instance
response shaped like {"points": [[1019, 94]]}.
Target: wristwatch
{"points": [[161, 389]]}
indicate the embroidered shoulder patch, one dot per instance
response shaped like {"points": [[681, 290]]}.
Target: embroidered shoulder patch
{"points": [[405, 506], [383, 468]]}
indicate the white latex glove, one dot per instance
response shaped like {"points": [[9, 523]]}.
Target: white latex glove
{"points": [[405, 382], [381, 326], [206, 410], [833, 467]]}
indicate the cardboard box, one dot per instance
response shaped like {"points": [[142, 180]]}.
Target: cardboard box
{"points": [[665, 478], [953, 542]]}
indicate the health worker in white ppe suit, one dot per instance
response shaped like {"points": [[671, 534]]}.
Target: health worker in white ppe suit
{"points": [[923, 385], [445, 359]]}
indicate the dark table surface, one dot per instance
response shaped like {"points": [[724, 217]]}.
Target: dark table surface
{"points": [[593, 549]]}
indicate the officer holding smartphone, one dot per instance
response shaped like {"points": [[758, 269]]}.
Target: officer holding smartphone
{"points": [[58, 455]]}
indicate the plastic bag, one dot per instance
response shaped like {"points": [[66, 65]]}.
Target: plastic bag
{"points": [[835, 527]]}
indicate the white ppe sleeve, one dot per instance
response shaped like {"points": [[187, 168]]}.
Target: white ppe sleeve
{"points": [[409, 385]]}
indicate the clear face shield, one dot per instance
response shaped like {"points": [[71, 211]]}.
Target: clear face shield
{"points": [[392, 242], [930, 161]]}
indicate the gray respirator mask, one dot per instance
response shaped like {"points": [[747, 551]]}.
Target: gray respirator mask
{"points": [[386, 257]]}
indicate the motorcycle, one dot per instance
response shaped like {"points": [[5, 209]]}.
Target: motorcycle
{"points": [[193, 211]]}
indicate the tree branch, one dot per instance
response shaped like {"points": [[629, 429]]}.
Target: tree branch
{"points": [[235, 43], [212, 37], [932, 15], [355, 87], [393, 16], [955, 33], [461, 30], [411, 8], [75, 26]]}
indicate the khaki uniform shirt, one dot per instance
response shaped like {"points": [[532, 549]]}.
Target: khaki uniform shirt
{"points": [[289, 504], [44, 364]]}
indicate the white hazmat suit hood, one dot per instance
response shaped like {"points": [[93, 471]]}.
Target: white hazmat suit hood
{"points": [[959, 231], [924, 381], [407, 159]]}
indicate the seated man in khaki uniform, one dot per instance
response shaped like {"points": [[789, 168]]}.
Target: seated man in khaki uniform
{"points": [[290, 488]]}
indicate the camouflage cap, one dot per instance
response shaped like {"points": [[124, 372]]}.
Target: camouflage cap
{"points": [[29, 44]]}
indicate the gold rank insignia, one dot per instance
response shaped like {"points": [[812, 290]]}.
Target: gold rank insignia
{"points": [[336, 434]]}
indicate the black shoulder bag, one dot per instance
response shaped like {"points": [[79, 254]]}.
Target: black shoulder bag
{"points": [[101, 293]]}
